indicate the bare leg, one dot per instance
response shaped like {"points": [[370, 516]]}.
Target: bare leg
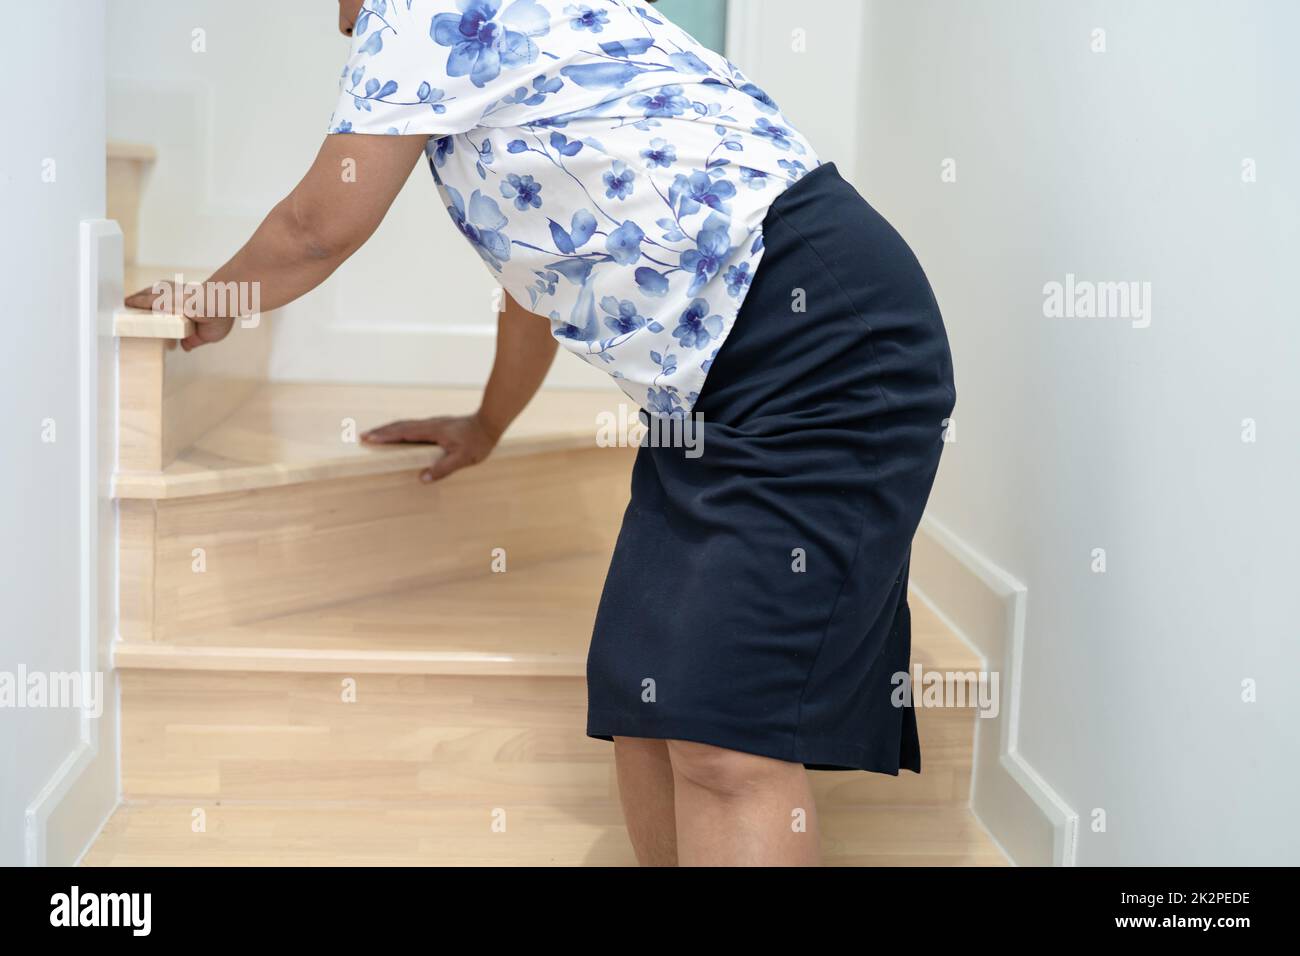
{"points": [[738, 809], [645, 787]]}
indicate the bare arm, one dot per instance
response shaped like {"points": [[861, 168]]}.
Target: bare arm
{"points": [[525, 350], [312, 231], [329, 216]]}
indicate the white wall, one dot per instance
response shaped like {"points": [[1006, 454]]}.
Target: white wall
{"points": [[1075, 434], [59, 62], [807, 55]]}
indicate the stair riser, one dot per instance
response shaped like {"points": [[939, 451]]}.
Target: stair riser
{"points": [[124, 184], [169, 397], [493, 741], [140, 375], [299, 547], [166, 833], [201, 388]]}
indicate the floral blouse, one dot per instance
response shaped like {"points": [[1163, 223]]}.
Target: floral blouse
{"points": [[612, 173]]}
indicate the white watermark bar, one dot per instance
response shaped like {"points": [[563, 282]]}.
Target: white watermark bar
{"points": [[629, 428], [52, 690], [1084, 299], [209, 300], [927, 689]]}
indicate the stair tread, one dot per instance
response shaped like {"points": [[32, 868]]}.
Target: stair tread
{"points": [[530, 620], [305, 834], [139, 152], [287, 433], [146, 324]]}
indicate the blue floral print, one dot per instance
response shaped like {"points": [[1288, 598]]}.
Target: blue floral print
{"points": [[712, 251], [664, 403], [666, 102], [524, 190], [438, 149], [660, 153], [624, 317], [795, 170], [585, 18], [778, 134], [738, 279], [696, 329], [606, 167], [624, 243], [698, 189], [482, 224], [618, 181], [480, 45]]}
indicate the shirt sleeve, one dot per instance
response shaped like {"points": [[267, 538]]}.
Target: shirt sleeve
{"points": [[435, 67]]}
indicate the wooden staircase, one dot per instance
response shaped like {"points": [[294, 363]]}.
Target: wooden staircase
{"points": [[322, 662]]}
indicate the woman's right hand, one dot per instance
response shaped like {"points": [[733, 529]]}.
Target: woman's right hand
{"points": [[166, 296], [465, 440]]}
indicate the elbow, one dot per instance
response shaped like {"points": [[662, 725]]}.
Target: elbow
{"points": [[315, 235]]}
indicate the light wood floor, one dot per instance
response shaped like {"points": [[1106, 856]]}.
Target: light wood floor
{"points": [[286, 433], [536, 618], [162, 834], [474, 692]]}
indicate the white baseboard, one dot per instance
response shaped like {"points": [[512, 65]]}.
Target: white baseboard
{"points": [[64, 817], [986, 606]]}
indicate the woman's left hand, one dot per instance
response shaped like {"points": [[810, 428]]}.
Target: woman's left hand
{"points": [[465, 440]]}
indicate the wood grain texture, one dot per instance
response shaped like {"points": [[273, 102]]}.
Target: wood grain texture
{"points": [[328, 570], [935, 646], [387, 772], [303, 547], [163, 834], [127, 166], [285, 434], [147, 324], [136, 536], [298, 736], [204, 387], [534, 619], [140, 398], [403, 738]]}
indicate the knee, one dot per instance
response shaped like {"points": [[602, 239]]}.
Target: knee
{"points": [[724, 772]]}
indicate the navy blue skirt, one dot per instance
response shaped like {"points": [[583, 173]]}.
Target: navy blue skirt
{"points": [[757, 597]]}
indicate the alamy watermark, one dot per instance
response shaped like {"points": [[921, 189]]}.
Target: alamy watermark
{"points": [[54, 690], [1083, 299], [127, 910], [210, 300], [626, 428], [923, 689]]}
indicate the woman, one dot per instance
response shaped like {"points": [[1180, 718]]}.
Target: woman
{"points": [[639, 192]]}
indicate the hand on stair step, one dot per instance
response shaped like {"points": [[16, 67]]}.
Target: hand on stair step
{"points": [[169, 297], [465, 440]]}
